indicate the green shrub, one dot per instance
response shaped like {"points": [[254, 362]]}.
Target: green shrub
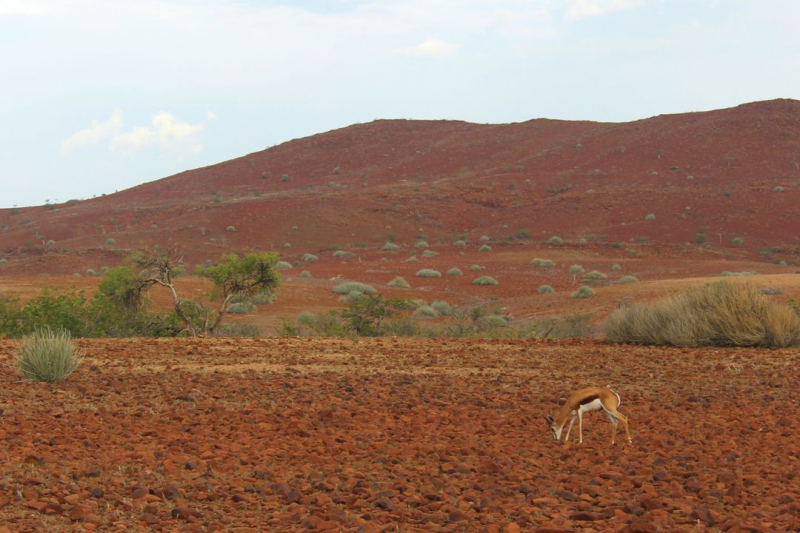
{"points": [[283, 265], [421, 244], [306, 318], [650, 217], [576, 269], [241, 308], [412, 259], [777, 188], [485, 248], [305, 274], [485, 280], [343, 254], [350, 286], [310, 258], [390, 247], [543, 263], [460, 243], [443, 308], [616, 267], [736, 274], [3, 260], [264, 297], [284, 177], [475, 268], [47, 355], [230, 228], [716, 314], [287, 245], [737, 241], [111, 242], [628, 279], [554, 240], [546, 289], [400, 283], [594, 276], [428, 273], [483, 238], [425, 312], [429, 253], [454, 272], [583, 292]]}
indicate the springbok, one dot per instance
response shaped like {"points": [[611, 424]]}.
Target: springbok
{"points": [[583, 401]]}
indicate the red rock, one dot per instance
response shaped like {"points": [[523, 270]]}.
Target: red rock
{"points": [[150, 519], [38, 506], [184, 513], [512, 528]]}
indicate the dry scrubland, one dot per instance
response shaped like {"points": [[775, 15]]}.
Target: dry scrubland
{"points": [[398, 435]]}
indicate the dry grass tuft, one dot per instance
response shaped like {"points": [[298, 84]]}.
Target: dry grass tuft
{"points": [[716, 314]]}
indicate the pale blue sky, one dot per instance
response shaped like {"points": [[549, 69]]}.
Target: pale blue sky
{"points": [[101, 95]]}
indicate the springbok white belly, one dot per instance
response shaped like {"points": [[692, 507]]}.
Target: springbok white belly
{"points": [[591, 406]]}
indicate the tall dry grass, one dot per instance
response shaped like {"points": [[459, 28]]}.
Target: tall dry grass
{"points": [[716, 314]]}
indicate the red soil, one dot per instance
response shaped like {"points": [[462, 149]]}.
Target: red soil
{"points": [[398, 435]]}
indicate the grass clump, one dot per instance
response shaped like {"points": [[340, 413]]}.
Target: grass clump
{"points": [[543, 263], [460, 243], [555, 240], [485, 248], [400, 283], [412, 259], [476, 268], [576, 269], [715, 314], [425, 312], [485, 280], [310, 258], [47, 355], [651, 216], [594, 276], [583, 292], [429, 253], [455, 271], [442, 307], [428, 273], [546, 289], [305, 274], [343, 254], [283, 265], [421, 244], [354, 286], [728, 273], [241, 308], [390, 247], [628, 279]]}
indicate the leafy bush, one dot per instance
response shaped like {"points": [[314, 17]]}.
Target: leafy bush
{"points": [[715, 314], [306, 318], [628, 279], [483, 238], [305, 274], [443, 308], [390, 247], [47, 355], [263, 298], [343, 254], [594, 276], [576, 269], [476, 268], [583, 292], [554, 240], [650, 217], [241, 308], [412, 259], [546, 289], [428, 273], [429, 253], [543, 263], [421, 244], [485, 248], [485, 280], [425, 311], [616, 267], [454, 272], [283, 265], [111, 242], [737, 241], [400, 283], [310, 258], [460, 243], [777, 188], [350, 286]]}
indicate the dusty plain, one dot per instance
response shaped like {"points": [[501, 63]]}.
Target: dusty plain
{"points": [[398, 435]]}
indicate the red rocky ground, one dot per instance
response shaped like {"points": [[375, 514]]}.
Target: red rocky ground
{"points": [[398, 435]]}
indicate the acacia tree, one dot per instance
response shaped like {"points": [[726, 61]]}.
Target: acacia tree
{"points": [[234, 276]]}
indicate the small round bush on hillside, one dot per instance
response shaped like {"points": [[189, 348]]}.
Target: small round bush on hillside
{"points": [[343, 254], [651, 216], [485, 280], [111, 242], [400, 283], [241, 308], [425, 311], [350, 286], [412, 259], [476, 268], [305, 274], [616, 267], [583, 292], [484, 238], [576, 269], [628, 279], [555, 240], [543, 263], [546, 289], [454, 272], [390, 247], [283, 265], [594, 275], [310, 258], [485, 248], [47, 355], [231, 228], [429, 253], [428, 273], [443, 308], [716, 314], [421, 244], [306, 318], [460, 243]]}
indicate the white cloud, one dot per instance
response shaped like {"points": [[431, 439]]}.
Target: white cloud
{"points": [[166, 131], [95, 133], [20, 7], [431, 48], [580, 9]]}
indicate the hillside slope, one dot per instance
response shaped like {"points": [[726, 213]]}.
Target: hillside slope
{"points": [[706, 177]]}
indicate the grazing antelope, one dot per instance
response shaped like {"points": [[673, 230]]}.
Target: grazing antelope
{"points": [[584, 401]]}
